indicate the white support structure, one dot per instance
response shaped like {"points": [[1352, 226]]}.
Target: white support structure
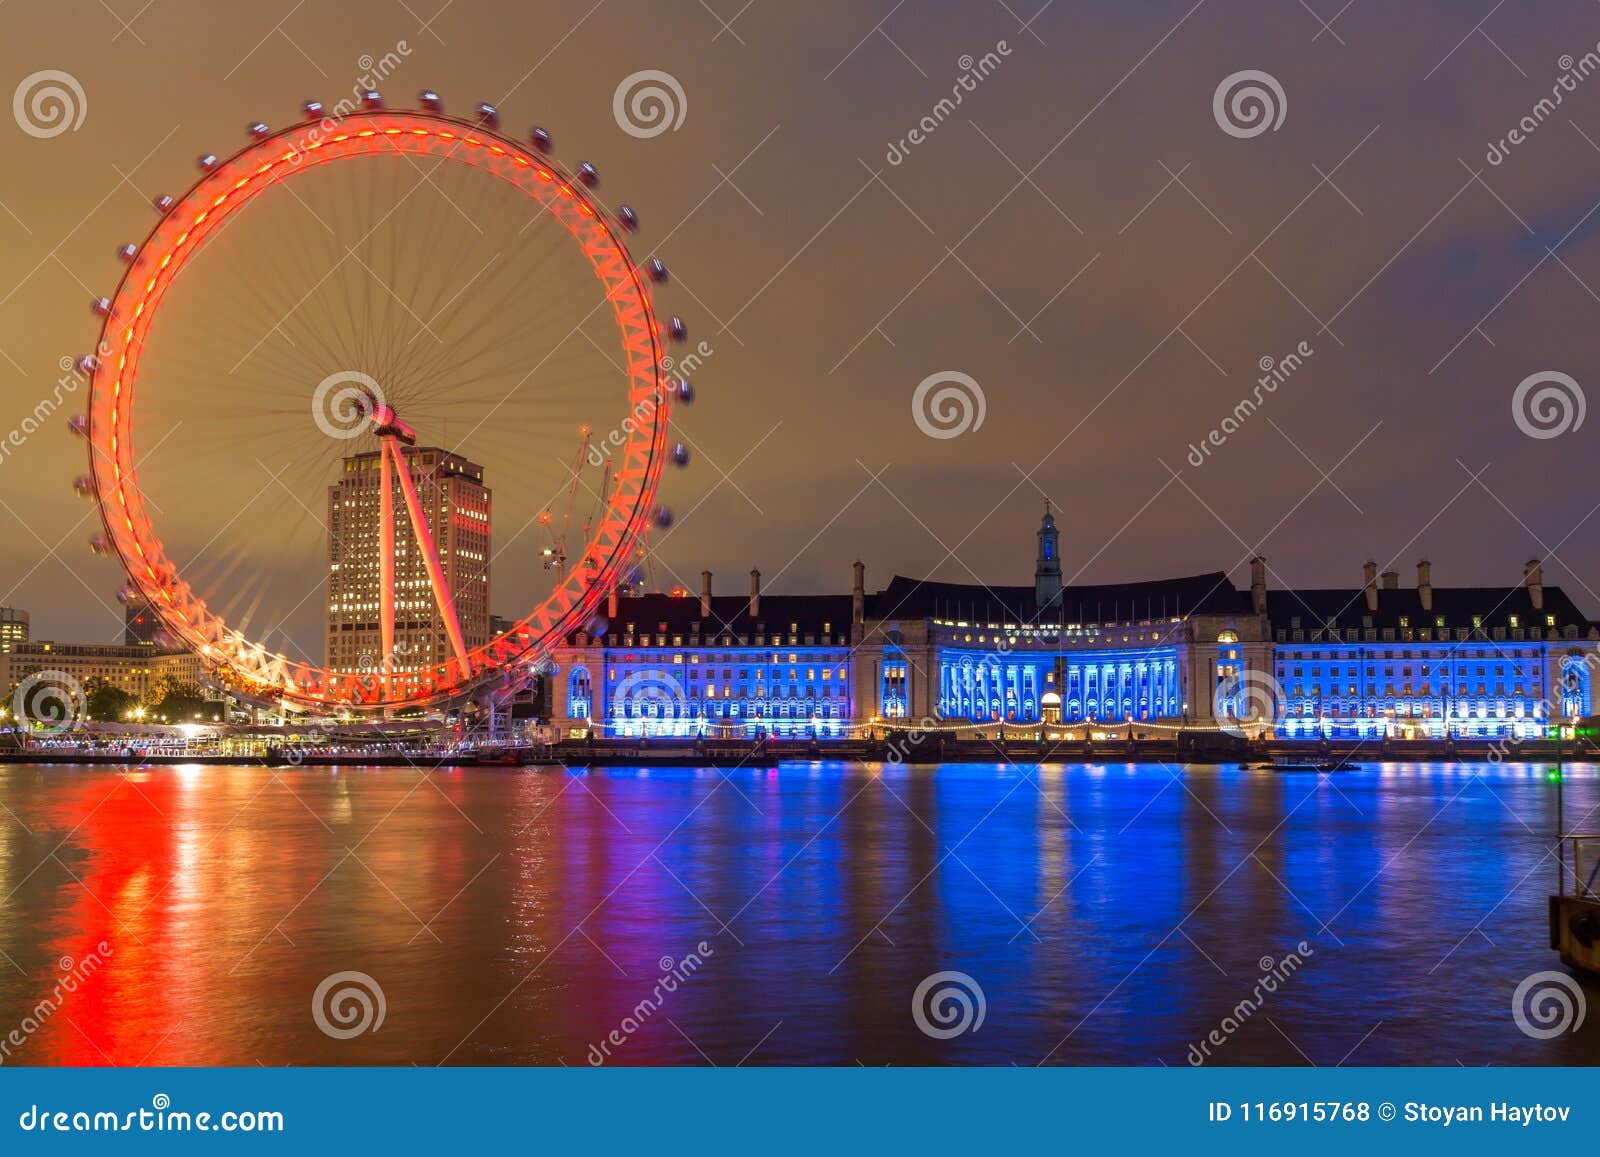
{"points": [[430, 555], [386, 555]]}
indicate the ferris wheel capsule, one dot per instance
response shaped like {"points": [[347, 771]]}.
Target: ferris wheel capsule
{"points": [[680, 455], [101, 306], [79, 425], [541, 140], [207, 162], [99, 543], [657, 270], [164, 204], [128, 252], [127, 594], [312, 110], [258, 131], [488, 116], [685, 392], [431, 101], [677, 329], [83, 486], [588, 174], [372, 99], [663, 517], [629, 219], [88, 364]]}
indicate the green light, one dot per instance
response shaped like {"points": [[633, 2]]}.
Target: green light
{"points": [[1553, 776]]}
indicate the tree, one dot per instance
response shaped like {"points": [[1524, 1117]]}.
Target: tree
{"points": [[105, 702], [180, 702]]}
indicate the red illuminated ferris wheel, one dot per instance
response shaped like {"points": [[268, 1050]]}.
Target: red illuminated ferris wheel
{"points": [[406, 287]]}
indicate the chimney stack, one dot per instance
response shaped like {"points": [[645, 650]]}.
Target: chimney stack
{"points": [[1391, 580], [858, 593], [1533, 579], [1369, 572], [705, 594], [611, 605], [755, 593], [1425, 584], [1258, 584]]}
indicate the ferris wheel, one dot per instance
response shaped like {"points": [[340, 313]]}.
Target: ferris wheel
{"points": [[410, 301]]}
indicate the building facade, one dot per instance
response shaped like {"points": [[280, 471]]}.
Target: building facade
{"points": [[457, 507], [1367, 661], [139, 669]]}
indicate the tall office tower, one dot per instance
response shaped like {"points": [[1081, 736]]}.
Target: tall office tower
{"points": [[13, 628], [139, 623], [456, 508]]}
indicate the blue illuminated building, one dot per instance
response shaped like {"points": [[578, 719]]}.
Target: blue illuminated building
{"points": [[1360, 662]]}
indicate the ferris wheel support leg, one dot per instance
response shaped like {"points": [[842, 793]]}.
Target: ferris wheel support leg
{"points": [[386, 555], [430, 555]]}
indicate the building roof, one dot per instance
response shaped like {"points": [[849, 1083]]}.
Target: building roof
{"points": [[1346, 608], [658, 613], [1211, 593]]}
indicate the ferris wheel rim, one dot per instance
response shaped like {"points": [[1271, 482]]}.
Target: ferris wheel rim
{"points": [[188, 219]]}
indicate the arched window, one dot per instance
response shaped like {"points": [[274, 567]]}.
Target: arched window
{"points": [[580, 693], [1575, 687]]}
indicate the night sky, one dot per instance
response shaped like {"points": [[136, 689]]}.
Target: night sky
{"points": [[1080, 237]]}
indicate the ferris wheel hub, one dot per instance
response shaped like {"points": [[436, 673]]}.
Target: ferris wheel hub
{"points": [[387, 424]]}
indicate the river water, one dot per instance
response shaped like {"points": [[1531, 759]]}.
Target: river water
{"points": [[1101, 914]]}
